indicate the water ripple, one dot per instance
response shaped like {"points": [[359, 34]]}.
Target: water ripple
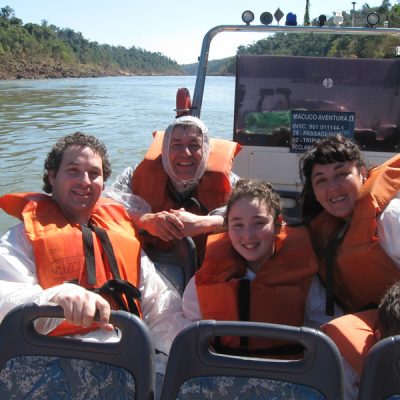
{"points": [[122, 111]]}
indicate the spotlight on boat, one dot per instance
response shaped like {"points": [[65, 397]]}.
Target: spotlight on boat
{"points": [[291, 19], [372, 19], [247, 17], [321, 20], [266, 18]]}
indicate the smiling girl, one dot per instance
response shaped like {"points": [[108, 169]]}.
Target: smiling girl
{"points": [[260, 271]]}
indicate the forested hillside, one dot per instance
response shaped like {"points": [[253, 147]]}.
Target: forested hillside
{"points": [[33, 51], [214, 67]]}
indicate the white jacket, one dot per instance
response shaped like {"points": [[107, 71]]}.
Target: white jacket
{"points": [[161, 305]]}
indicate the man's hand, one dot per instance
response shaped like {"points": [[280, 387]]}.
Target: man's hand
{"points": [[80, 306], [163, 224], [194, 225]]}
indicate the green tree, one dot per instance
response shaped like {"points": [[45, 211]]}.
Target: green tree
{"points": [[7, 12], [307, 14]]}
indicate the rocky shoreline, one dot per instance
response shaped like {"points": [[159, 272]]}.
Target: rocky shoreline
{"points": [[12, 70]]}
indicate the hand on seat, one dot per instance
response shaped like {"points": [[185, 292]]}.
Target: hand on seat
{"points": [[80, 306]]}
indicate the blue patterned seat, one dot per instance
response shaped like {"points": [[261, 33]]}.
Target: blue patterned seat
{"points": [[244, 388], [33, 366], [36, 377], [196, 371]]}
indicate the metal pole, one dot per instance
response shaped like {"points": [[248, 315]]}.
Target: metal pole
{"points": [[353, 16]]}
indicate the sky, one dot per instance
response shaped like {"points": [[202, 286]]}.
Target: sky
{"points": [[173, 28]]}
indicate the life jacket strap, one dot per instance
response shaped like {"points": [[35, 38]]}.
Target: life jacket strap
{"points": [[88, 251], [244, 307], [330, 256], [192, 201], [116, 288], [108, 249]]}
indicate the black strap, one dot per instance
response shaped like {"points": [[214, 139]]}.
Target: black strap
{"points": [[330, 256], [186, 200], [369, 306], [193, 201], [88, 251], [244, 307], [244, 315], [115, 288], [108, 249]]}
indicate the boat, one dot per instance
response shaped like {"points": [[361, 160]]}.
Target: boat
{"points": [[285, 103], [280, 109]]}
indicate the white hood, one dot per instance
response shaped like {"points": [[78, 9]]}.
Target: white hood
{"points": [[185, 185]]}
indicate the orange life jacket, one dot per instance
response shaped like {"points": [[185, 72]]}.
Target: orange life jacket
{"points": [[150, 181], [354, 335], [362, 270], [58, 245], [278, 292]]}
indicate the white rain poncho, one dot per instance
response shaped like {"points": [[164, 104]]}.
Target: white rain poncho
{"points": [[161, 304]]}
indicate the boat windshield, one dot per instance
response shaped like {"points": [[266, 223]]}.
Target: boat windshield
{"points": [[292, 101]]}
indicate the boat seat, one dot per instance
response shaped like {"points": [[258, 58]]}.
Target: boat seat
{"points": [[380, 377], [210, 375], [176, 265], [291, 206], [35, 366]]}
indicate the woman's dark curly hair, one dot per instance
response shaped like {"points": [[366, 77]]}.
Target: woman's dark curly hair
{"points": [[259, 190], [332, 149], [55, 156]]}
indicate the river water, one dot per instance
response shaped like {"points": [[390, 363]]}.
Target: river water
{"points": [[122, 111]]}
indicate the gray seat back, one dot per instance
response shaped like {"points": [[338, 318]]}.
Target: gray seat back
{"points": [[380, 378], [35, 366], [195, 369], [177, 265]]}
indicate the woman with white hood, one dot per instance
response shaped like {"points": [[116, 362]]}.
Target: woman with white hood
{"points": [[175, 191]]}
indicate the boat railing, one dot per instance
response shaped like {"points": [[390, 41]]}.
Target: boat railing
{"points": [[205, 49]]}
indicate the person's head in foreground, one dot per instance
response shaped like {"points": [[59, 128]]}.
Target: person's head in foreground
{"points": [[389, 312], [185, 152], [75, 170], [332, 172], [253, 217]]}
